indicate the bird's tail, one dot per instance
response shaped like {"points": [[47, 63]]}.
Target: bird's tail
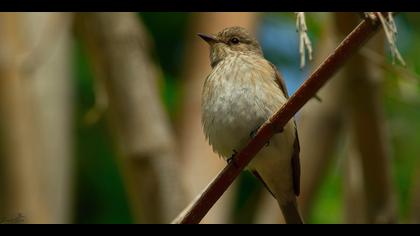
{"points": [[291, 212]]}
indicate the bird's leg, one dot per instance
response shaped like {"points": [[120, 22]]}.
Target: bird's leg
{"points": [[232, 157], [277, 129], [254, 133]]}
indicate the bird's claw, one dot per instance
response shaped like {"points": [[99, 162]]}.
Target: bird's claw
{"points": [[278, 130], [254, 133], [232, 157]]}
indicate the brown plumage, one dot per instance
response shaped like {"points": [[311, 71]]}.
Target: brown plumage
{"points": [[242, 91]]}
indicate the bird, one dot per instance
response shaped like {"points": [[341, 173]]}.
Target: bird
{"points": [[240, 93]]}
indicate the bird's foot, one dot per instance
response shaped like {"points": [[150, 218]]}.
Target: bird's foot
{"points": [[277, 129], [232, 158], [254, 133]]}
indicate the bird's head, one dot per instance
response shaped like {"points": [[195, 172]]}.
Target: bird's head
{"points": [[230, 41]]}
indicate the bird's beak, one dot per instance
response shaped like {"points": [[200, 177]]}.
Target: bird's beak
{"points": [[209, 38]]}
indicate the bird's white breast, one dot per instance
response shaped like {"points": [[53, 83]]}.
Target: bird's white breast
{"points": [[239, 95]]}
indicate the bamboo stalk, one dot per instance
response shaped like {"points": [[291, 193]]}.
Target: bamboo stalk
{"points": [[22, 185], [365, 115], [118, 48], [47, 68]]}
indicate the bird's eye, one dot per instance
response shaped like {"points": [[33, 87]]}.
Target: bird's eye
{"points": [[234, 40]]}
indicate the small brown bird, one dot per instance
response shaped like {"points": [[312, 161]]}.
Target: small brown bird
{"points": [[242, 91]]}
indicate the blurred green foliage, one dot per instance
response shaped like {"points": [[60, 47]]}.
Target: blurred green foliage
{"points": [[167, 32], [100, 195]]}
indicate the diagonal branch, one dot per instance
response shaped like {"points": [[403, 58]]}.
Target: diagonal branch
{"points": [[349, 46]]}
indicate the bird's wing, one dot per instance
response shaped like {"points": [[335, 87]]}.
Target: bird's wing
{"points": [[296, 146], [296, 164], [279, 80]]}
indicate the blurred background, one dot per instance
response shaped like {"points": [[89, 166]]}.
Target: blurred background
{"points": [[100, 120]]}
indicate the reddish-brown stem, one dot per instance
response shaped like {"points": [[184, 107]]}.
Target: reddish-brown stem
{"points": [[348, 47]]}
